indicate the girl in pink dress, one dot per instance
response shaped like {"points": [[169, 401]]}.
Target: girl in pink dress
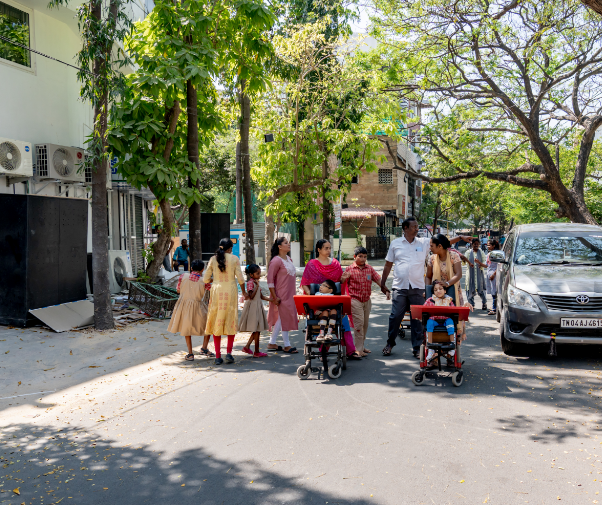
{"points": [[282, 313]]}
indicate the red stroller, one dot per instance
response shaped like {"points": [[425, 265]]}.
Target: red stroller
{"points": [[441, 343], [306, 305]]}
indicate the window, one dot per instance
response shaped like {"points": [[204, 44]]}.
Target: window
{"points": [[355, 179], [385, 176], [14, 25]]}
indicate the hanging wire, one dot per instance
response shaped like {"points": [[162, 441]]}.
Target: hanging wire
{"points": [[5, 39]]}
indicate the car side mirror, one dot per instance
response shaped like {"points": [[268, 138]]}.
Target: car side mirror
{"points": [[498, 257]]}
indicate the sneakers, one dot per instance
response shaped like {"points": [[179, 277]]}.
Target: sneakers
{"points": [[321, 338], [229, 359], [247, 350], [260, 354], [218, 361], [328, 337]]}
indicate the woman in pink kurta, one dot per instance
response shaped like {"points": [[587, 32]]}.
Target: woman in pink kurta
{"points": [[324, 267], [282, 314]]}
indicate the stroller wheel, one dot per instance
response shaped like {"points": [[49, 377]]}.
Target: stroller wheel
{"points": [[401, 333], [302, 372], [457, 378], [335, 371], [418, 378]]}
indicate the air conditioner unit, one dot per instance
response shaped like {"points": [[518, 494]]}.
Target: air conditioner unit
{"points": [[120, 266], [15, 158], [59, 163]]}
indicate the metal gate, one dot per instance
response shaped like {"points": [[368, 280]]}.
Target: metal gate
{"points": [[377, 246], [134, 236]]}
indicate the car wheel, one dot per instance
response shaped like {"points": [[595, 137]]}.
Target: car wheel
{"points": [[511, 348]]}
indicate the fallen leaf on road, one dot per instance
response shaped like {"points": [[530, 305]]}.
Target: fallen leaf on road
{"points": [[93, 366], [118, 349], [109, 357], [70, 353], [6, 352], [461, 481], [16, 491], [182, 485], [19, 383]]}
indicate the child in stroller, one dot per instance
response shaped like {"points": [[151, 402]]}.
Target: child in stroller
{"points": [[327, 288], [439, 299]]}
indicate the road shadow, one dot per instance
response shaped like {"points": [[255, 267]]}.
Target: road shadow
{"points": [[71, 466]]}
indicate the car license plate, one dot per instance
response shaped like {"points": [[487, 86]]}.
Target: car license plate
{"points": [[580, 322]]}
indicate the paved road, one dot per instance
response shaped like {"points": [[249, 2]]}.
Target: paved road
{"points": [[130, 422]]}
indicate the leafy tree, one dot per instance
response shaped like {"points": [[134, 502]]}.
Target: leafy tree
{"points": [[179, 50], [320, 142], [103, 26], [245, 74], [510, 82]]}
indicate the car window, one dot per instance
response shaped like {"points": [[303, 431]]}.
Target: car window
{"points": [[559, 248], [508, 243]]}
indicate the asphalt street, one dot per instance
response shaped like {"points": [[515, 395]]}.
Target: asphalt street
{"points": [[122, 418]]}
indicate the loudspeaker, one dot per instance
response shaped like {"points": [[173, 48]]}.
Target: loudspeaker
{"points": [[43, 248], [214, 227]]}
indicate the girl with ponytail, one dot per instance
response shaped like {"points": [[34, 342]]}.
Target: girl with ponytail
{"points": [[253, 318], [222, 317]]}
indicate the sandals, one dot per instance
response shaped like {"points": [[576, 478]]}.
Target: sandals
{"points": [[206, 352], [260, 354], [279, 348], [354, 356], [387, 350], [246, 350], [292, 350], [189, 357], [491, 313]]}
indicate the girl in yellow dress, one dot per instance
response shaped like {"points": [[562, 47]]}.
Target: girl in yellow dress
{"points": [[222, 318]]}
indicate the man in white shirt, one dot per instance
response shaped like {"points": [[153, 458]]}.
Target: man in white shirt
{"points": [[408, 254]]}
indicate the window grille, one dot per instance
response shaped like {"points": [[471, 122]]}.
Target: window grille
{"points": [[385, 176]]}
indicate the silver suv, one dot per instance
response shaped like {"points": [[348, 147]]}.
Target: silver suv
{"points": [[549, 283]]}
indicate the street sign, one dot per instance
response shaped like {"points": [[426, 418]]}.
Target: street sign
{"points": [[337, 216]]}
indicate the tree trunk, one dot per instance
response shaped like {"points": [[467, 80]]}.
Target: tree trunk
{"points": [[192, 145], [325, 215], [301, 227], [269, 237], [245, 124], [238, 185], [436, 218], [161, 246], [595, 5], [103, 312]]}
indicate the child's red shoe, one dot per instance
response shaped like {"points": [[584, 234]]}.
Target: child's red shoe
{"points": [[247, 350], [260, 354]]}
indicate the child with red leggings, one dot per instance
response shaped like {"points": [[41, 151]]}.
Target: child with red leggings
{"points": [[222, 316]]}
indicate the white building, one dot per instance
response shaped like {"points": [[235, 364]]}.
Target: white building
{"points": [[41, 105]]}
